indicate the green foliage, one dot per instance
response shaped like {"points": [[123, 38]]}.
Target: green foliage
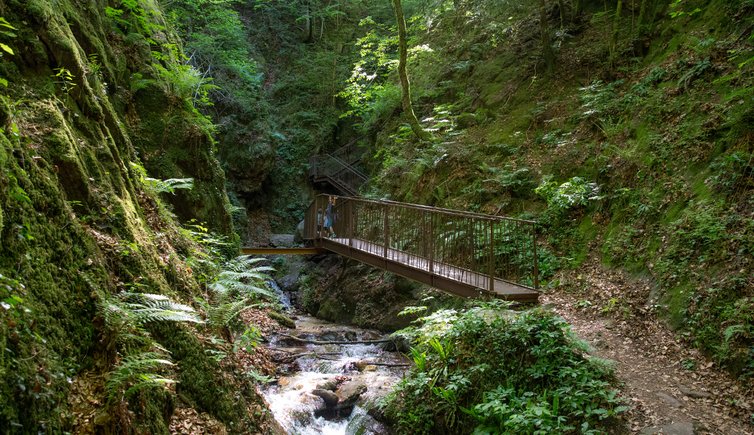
{"points": [[499, 371], [137, 373], [732, 173], [127, 314], [241, 285], [136, 16], [6, 31], [677, 10], [158, 186], [186, 82], [249, 340], [378, 57], [561, 197], [64, 78]]}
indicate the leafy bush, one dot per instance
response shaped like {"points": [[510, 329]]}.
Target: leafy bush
{"points": [[574, 192], [498, 371]]}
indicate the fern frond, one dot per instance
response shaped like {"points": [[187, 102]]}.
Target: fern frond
{"points": [[231, 289], [254, 274], [223, 314], [170, 185], [135, 372], [243, 262], [147, 307]]}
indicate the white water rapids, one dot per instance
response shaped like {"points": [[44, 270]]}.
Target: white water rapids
{"points": [[291, 400]]}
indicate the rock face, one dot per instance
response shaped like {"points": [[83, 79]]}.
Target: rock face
{"points": [[85, 121]]}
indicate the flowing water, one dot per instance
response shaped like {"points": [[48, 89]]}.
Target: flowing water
{"points": [[353, 375]]}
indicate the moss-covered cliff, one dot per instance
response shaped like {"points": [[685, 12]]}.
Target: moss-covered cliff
{"points": [[97, 91]]}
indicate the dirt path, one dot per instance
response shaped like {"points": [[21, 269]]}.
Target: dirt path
{"points": [[672, 389]]}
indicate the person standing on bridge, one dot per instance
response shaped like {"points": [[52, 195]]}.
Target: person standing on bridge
{"points": [[329, 215]]}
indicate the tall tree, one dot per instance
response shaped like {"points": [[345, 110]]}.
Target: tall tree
{"points": [[544, 33], [408, 109]]}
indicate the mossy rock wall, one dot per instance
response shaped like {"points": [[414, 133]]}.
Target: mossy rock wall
{"points": [[345, 291], [76, 221]]}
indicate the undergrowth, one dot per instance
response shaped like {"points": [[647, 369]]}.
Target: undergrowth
{"points": [[491, 370]]}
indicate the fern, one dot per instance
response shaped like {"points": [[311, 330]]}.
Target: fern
{"points": [[126, 314], [146, 307], [170, 185], [222, 315], [135, 373], [238, 287]]}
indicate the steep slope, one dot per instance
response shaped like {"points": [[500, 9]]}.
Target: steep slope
{"points": [[623, 127], [97, 91]]}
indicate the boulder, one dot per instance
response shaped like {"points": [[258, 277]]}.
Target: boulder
{"points": [[298, 237], [330, 385], [330, 398], [350, 392]]}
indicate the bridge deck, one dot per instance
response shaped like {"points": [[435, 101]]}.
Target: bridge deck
{"points": [[281, 251], [446, 277]]}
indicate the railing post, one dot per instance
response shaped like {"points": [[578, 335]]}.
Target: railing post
{"points": [[385, 230], [492, 256], [431, 238], [349, 210], [536, 260]]}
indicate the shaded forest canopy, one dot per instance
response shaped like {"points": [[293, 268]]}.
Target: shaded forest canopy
{"points": [[135, 134]]}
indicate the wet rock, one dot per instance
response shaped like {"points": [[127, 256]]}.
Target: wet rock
{"points": [[330, 398], [364, 366], [301, 417], [670, 400], [283, 381], [330, 385], [694, 394], [364, 424], [350, 392], [330, 336], [399, 344]]}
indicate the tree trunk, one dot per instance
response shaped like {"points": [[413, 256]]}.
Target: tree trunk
{"points": [[309, 24], [642, 16], [616, 27], [544, 30], [575, 9], [408, 109]]}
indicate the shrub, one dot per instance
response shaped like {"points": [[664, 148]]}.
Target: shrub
{"points": [[489, 370]]}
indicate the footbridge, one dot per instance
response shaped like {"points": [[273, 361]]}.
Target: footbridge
{"points": [[468, 254]]}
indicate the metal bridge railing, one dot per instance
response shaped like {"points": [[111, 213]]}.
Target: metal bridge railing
{"points": [[474, 246]]}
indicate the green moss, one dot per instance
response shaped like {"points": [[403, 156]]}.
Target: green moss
{"points": [[282, 319], [587, 231], [201, 383], [676, 300]]}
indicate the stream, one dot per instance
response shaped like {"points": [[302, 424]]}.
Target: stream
{"points": [[330, 388]]}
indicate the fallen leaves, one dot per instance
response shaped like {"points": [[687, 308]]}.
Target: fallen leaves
{"points": [[614, 313]]}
